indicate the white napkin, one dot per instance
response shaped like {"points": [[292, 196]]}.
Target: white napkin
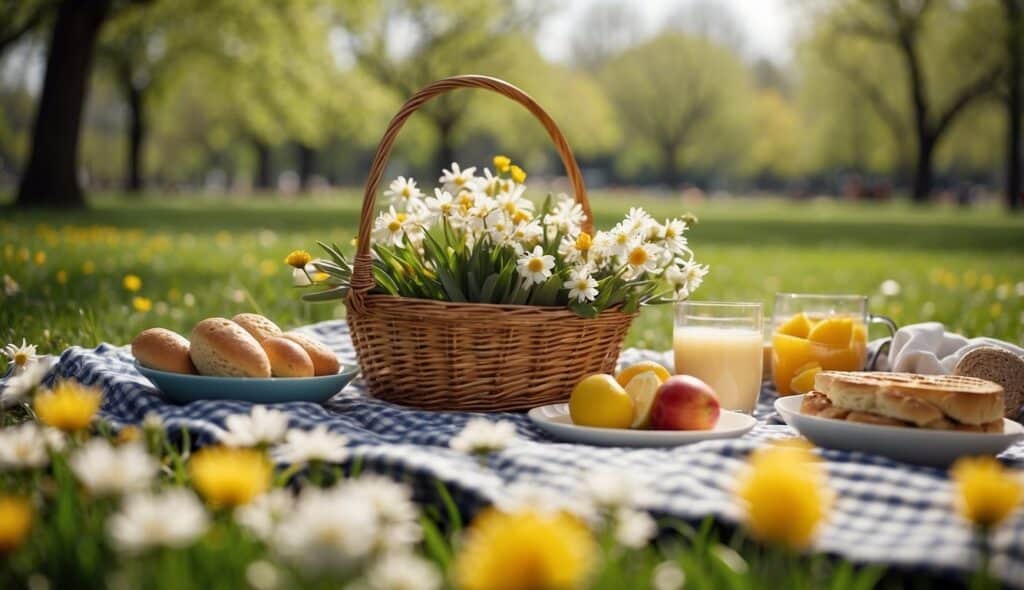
{"points": [[929, 349]]}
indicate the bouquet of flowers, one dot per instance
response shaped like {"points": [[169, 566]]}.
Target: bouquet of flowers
{"points": [[478, 239]]}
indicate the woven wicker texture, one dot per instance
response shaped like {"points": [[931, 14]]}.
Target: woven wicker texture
{"points": [[472, 356]]}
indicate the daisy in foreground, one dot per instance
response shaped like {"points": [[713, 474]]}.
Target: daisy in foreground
{"points": [[481, 436], [261, 427], [174, 518], [20, 357]]}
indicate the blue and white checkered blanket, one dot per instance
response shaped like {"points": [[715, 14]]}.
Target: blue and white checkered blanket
{"points": [[885, 512]]}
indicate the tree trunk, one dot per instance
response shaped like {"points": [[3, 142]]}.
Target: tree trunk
{"points": [[264, 167], [670, 171], [446, 145], [1014, 104], [51, 177], [134, 181], [923, 172], [306, 157]]}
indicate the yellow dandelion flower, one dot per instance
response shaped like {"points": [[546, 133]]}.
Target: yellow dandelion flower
{"points": [[88, 267], [525, 550], [142, 304], [784, 496], [69, 406], [298, 258], [230, 477], [61, 277], [584, 242], [987, 492], [502, 163], [131, 283], [15, 521], [39, 258], [988, 282], [518, 174], [996, 309]]}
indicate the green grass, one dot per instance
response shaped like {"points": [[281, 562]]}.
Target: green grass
{"points": [[199, 257]]}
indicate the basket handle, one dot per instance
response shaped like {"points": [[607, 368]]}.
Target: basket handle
{"points": [[362, 275]]}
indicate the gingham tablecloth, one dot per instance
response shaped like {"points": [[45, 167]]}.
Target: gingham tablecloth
{"points": [[886, 512]]}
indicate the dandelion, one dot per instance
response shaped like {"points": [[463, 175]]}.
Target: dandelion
{"points": [[403, 571], [131, 283], [106, 470], [456, 178], [11, 286], [141, 304], [88, 267], [987, 492], [23, 447], [263, 514], [174, 518], [69, 406], [39, 258], [298, 258], [502, 163], [481, 436], [581, 285], [536, 266], [517, 174], [404, 194], [15, 521], [20, 356], [260, 427], [524, 551], [318, 444], [328, 530], [783, 494], [61, 277], [230, 477]]}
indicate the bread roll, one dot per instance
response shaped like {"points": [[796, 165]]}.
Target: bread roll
{"points": [[287, 359], [260, 327], [999, 366], [325, 362], [163, 350], [221, 347]]}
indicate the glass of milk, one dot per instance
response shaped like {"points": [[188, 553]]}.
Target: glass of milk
{"points": [[721, 343]]}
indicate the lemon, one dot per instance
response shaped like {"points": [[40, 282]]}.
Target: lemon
{"points": [[804, 380], [643, 389], [626, 375], [599, 400]]}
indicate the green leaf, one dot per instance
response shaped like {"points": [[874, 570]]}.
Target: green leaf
{"points": [[487, 290], [584, 310], [339, 292], [451, 286], [472, 286], [547, 292]]}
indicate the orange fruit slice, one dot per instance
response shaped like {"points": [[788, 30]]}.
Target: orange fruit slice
{"points": [[804, 380], [835, 332], [798, 326]]}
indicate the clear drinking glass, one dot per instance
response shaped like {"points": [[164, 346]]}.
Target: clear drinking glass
{"points": [[819, 332], [721, 344]]}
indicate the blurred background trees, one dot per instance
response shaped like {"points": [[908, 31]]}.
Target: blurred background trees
{"points": [[879, 97]]}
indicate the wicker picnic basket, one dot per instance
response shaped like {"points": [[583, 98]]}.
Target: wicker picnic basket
{"points": [[441, 355]]}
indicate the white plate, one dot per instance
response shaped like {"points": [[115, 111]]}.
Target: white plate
{"points": [[554, 419], [937, 448]]}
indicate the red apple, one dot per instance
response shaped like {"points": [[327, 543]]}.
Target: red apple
{"points": [[684, 402]]}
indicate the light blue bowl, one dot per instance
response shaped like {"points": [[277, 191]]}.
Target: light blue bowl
{"points": [[182, 389]]}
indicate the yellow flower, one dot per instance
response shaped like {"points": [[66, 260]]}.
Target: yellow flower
{"points": [[298, 258], [525, 551], [518, 174], [40, 258], [23, 254], [62, 277], [129, 434], [502, 163], [584, 242], [319, 277], [132, 283], [783, 493], [88, 267], [988, 493], [69, 406], [15, 521], [521, 216], [142, 304], [230, 477]]}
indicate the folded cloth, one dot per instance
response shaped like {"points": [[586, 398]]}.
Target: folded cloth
{"points": [[929, 349]]}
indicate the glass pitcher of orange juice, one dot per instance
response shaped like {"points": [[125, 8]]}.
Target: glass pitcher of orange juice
{"points": [[813, 333]]}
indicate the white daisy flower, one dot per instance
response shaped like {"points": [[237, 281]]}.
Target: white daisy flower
{"points": [[262, 515], [527, 232], [456, 179], [397, 515], [442, 204], [641, 257], [390, 227], [55, 439], [668, 576], [318, 444], [567, 216], [671, 235], [569, 248], [20, 357], [174, 518], [581, 285], [535, 267], [481, 436], [618, 241], [262, 575], [499, 227], [404, 195], [23, 447], [513, 201], [638, 221], [11, 286], [688, 277], [106, 470], [261, 426], [18, 388], [633, 528], [610, 489], [403, 571], [329, 529]]}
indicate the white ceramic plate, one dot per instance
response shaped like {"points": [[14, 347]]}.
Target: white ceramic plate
{"points": [[937, 448], [554, 419]]}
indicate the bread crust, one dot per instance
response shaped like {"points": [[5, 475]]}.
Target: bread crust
{"points": [[287, 358], [163, 350], [1000, 366], [325, 362], [259, 326], [223, 348]]}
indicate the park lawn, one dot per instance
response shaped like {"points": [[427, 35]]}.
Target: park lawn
{"points": [[204, 256]]}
